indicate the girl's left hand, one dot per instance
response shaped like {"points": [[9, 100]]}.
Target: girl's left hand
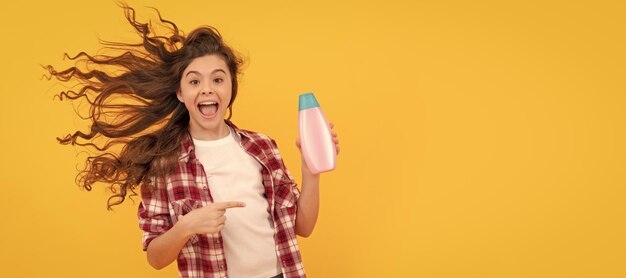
{"points": [[305, 168]]}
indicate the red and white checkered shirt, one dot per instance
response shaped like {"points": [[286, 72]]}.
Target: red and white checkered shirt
{"points": [[187, 188]]}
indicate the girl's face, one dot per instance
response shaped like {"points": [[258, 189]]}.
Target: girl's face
{"points": [[206, 90]]}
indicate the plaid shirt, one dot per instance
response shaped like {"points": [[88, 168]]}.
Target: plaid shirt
{"points": [[187, 188]]}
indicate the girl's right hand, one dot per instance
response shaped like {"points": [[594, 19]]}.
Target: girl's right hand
{"points": [[209, 219]]}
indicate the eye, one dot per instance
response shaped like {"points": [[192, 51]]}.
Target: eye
{"points": [[194, 82], [218, 80]]}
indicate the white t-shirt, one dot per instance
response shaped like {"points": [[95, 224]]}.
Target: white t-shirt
{"points": [[248, 234]]}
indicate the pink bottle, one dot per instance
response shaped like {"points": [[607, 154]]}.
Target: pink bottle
{"points": [[316, 139]]}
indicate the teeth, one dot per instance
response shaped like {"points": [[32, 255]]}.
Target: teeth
{"points": [[207, 103]]}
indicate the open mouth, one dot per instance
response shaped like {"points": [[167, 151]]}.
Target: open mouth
{"points": [[208, 108]]}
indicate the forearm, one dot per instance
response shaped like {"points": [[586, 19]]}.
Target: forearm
{"points": [[164, 249], [308, 204]]}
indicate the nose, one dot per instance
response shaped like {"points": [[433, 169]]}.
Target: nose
{"points": [[206, 90]]}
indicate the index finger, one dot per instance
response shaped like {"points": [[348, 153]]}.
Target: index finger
{"points": [[227, 205]]}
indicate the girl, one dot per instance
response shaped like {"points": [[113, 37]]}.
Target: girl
{"points": [[216, 198]]}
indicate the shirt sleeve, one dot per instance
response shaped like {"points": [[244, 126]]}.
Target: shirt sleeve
{"points": [[153, 213]]}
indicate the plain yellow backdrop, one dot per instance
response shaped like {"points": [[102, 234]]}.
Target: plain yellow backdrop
{"points": [[478, 138]]}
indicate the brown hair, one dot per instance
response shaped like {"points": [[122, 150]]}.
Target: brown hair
{"points": [[136, 108]]}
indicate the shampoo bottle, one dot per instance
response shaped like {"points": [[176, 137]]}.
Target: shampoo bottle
{"points": [[316, 139]]}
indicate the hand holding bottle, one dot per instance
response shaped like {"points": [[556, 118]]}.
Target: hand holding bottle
{"points": [[317, 142], [305, 168]]}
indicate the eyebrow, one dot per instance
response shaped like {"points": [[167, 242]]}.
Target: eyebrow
{"points": [[197, 72]]}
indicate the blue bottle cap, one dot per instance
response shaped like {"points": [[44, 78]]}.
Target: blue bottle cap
{"points": [[307, 101]]}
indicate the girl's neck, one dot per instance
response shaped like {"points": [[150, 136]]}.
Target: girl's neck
{"points": [[219, 132]]}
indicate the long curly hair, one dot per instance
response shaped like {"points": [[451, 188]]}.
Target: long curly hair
{"points": [[133, 105]]}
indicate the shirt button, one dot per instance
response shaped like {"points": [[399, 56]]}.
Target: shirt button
{"points": [[221, 266], [204, 187], [217, 241]]}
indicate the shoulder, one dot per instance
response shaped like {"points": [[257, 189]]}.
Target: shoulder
{"points": [[256, 136], [263, 140]]}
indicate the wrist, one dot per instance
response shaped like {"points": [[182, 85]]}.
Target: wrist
{"points": [[307, 173], [309, 178], [183, 228]]}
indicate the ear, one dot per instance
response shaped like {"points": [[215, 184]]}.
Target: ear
{"points": [[179, 95]]}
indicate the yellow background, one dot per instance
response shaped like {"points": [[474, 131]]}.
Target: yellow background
{"points": [[479, 138]]}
